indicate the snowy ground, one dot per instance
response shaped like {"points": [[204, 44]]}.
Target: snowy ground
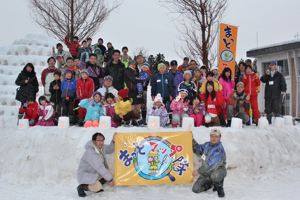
{"points": [[41, 163]]}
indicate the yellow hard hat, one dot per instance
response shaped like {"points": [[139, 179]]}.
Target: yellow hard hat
{"points": [[151, 153]]}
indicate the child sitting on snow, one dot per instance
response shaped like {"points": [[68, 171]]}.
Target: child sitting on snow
{"points": [[180, 107], [196, 110], [109, 108], [159, 109], [30, 108], [47, 112], [94, 110], [144, 76]]}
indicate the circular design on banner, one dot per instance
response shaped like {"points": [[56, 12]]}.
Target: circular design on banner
{"points": [[154, 163], [226, 56]]}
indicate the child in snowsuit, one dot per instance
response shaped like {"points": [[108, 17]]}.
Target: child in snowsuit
{"points": [[180, 107], [159, 109], [109, 108], [30, 108], [68, 95], [123, 109], [144, 76], [55, 90], [47, 112], [94, 110], [196, 110]]}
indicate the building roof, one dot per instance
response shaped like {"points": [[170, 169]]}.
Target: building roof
{"points": [[274, 48]]}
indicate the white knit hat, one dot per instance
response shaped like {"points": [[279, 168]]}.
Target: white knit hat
{"points": [[158, 98]]}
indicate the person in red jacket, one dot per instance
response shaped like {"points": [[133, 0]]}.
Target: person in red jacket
{"points": [[31, 110], [74, 46], [214, 100], [251, 82], [84, 88]]}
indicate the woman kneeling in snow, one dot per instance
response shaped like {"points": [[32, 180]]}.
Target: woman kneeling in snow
{"points": [[47, 112], [94, 110], [159, 109]]}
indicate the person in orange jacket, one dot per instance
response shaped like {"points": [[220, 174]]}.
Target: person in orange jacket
{"points": [[251, 82], [214, 100], [30, 108]]}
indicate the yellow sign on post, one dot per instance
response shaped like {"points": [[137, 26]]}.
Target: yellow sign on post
{"points": [[153, 158], [227, 47]]}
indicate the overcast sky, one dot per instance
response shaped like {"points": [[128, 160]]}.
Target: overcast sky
{"points": [[144, 23]]}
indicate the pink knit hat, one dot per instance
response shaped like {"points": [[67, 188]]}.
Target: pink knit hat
{"points": [[158, 98]]}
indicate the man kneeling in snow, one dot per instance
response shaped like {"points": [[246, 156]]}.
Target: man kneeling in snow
{"points": [[93, 170], [213, 170]]}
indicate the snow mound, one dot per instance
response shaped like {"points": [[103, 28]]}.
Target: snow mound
{"points": [[50, 156], [33, 48]]}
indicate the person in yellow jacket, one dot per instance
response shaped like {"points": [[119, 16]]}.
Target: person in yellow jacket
{"points": [[210, 77], [123, 109]]}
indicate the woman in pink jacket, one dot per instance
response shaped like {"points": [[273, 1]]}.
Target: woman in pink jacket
{"points": [[227, 82], [180, 106]]}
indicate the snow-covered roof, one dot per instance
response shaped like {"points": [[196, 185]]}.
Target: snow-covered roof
{"points": [[276, 44]]}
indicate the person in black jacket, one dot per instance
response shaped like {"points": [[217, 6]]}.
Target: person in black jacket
{"points": [[275, 84], [240, 73], [131, 76], [28, 83], [55, 90], [116, 69]]}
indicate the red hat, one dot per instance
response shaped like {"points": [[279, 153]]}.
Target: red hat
{"points": [[149, 71], [123, 93]]}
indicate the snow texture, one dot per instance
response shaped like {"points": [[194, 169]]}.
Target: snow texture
{"points": [[275, 44], [41, 162]]}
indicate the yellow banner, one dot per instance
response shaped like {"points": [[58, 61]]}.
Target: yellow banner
{"points": [[153, 158], [227, 47]]}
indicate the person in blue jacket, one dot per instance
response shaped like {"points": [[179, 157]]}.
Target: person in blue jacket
{"points": [[68, 95], [162, 83], [94, 109], [212, 170]]}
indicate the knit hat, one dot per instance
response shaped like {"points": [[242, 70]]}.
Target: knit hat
{"points": [[183, 91], [68, 71], [216, 132], [214, 67], [149, 71], [131, 62], [97, 92], [108, 77], [184, 65], [84, 71], [187, 72], [273, 62], [240, 83], [198, 70], [161, 65], [158, 98], [173, 62], [145, 64], [123, 93], [98, 50]]}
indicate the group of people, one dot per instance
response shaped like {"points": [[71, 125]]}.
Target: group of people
{"points": [[90, 81]]}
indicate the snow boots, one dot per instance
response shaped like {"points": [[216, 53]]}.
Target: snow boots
{"points": [[72, 120], [219, 188], [174, 125], [80, 121], [81, 188]]}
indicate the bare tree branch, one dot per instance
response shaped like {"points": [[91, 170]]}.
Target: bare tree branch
{"points": [[82, 18], [198, 27]]}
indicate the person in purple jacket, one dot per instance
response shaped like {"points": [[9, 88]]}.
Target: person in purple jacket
{"points": [[159, 109], [196, 110], [177, 75]]}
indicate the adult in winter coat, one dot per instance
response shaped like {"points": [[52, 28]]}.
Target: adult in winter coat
{"points": [[239, 103], [177, 75], [251, 82], [84, 52], [28, 84], [30, 109], [159, 109], [109, 52], [228, 86], [240, 73], [61, 52], [47, 76], [162, 84], [93, 168], [107, 87], [213, 168], [116, 69], [85, 88], [275, 85], [101, 46], [55, 90], [213, 102]]}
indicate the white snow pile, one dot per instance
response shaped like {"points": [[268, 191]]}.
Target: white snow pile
{"points": [[41, 163], [34, 48]]}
